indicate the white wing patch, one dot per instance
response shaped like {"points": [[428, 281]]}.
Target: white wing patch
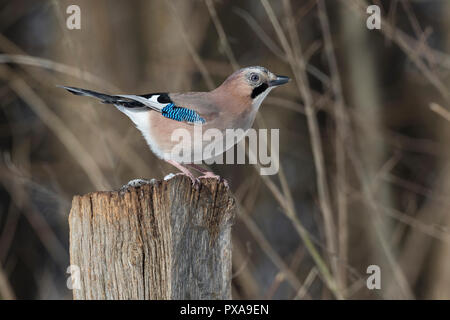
{"points": [[151, 102], [154, 98]]}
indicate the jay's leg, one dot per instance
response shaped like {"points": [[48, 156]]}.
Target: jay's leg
{"points": [[200, 169], [183, 169]]}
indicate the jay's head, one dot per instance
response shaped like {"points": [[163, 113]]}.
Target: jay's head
{"points": [[252, 84]]}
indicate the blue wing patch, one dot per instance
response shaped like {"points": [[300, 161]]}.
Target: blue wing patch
{"points": [[181, 114]]}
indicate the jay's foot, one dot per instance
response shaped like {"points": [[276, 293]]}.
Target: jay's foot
{"points": [[212, 175], [207, 174], [184, 171]]}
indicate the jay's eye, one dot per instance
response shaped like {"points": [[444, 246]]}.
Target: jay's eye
{"points": [[254, 77]]}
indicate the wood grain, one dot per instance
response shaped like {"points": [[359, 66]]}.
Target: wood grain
{"points": [[164, 240]]}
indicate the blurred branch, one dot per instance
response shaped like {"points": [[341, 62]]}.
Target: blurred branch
{"points": [[297, 64], [285, 200], [69, 140], [6, 291], [262, 35], [18, 56], [13, 183], [341, 119], [398, 37], [267, 248], [444, 113], [308, 281], [222, 35], [375, 218], [53, 66], [195, 56], [9, 230], [273, 47]]}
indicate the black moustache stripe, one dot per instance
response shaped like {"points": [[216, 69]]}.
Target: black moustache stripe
{"points": [[259, 89]]}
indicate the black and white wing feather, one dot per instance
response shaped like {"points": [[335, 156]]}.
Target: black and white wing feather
{"points": [[129, 104]]}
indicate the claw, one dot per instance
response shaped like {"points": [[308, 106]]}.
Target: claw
{"points": [[210, 175], [184, 171], [207, 174]]}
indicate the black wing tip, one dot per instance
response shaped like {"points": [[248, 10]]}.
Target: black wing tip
{"points": [[72, 90], [67, 88]]}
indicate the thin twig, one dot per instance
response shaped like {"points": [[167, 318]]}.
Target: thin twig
{"points": [[195, 56], [397, 37], [267, 248], [440, 110], [6, 291], [222, 36], [341, 119], [70, 141], [297, 64]]}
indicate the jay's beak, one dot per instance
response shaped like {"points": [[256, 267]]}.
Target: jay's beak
{"points": [[279, 81]]}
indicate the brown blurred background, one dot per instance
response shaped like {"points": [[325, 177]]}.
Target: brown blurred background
{"points": [[364, 134]]}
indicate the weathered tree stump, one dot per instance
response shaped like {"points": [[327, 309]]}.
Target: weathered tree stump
{"points": [[164, 240]]}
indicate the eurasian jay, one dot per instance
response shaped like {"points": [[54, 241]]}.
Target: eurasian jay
{"points": [[232, 105]]}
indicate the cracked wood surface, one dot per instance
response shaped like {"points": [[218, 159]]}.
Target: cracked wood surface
{"points": [[164, 240]]}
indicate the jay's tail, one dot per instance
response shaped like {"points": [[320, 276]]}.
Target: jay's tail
{"points": [[105, 98]]}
